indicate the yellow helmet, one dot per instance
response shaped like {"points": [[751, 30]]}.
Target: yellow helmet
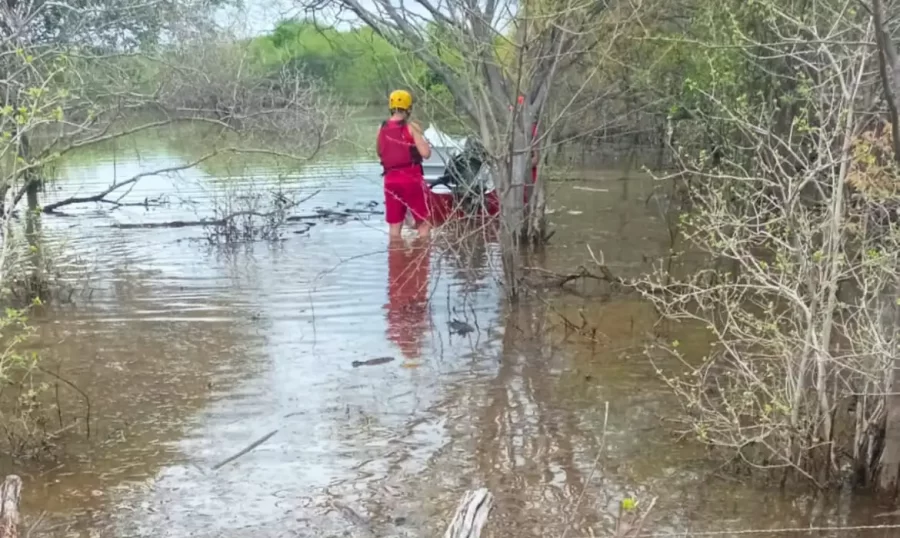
{"points": [[400, 100]]}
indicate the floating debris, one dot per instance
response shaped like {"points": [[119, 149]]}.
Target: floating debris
{"points": [[253, 445], [372, 362], [460, 327]]}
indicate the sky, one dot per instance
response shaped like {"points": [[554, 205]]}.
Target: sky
{"points": [[261, 16], [258, 16]]}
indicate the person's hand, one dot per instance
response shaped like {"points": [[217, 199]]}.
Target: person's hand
{"points": [[414, 125]]}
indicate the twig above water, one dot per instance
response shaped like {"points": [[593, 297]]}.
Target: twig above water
{"points": [[600, 451]]}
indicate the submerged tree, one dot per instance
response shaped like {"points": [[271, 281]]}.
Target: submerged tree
{"points": [[75, 77], [799, 213], [488, 53]]}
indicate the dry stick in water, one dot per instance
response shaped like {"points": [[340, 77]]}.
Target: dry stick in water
{"points": [[600, 452], [253, 445], [87, 399], [9, 506]]}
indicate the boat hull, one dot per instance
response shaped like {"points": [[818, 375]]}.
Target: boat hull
{"points": [[445, 206]]}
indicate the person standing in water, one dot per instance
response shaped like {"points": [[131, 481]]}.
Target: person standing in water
{"points": [[535, 155], [401, 148]]}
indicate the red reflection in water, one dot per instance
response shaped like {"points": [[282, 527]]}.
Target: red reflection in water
{"points": [[407, 315]]}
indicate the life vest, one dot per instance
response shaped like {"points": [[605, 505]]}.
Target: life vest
{"points": [[397, 148]]}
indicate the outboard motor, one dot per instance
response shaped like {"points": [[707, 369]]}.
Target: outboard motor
{"points": [[466, 179]]}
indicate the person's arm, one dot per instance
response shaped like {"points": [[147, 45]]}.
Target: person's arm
{"points": [[421, 144]]}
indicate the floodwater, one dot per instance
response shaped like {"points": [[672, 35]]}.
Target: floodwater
{"points": [[188, 353]]}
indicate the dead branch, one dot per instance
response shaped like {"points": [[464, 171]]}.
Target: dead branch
{"points": [[471, 514], [9, 506], [101, 196], [191, 223], [252, 445], [552, 279], [76, 388]]}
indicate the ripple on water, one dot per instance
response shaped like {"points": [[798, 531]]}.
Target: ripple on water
{"points": [[189, 354]]}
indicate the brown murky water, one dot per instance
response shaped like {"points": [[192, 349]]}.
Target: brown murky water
{"points": [[188, 354]]}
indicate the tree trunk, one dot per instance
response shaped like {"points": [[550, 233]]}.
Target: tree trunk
{"points": [[889, 71], [9, 506], [510, 181], [36, 284], [511, 220], [536, 219], [889, 466]]}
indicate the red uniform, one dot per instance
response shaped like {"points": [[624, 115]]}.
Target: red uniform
{"points": [[404, 180]]}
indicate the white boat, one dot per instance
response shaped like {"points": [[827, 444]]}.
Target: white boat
{"points": [[443, 148]]}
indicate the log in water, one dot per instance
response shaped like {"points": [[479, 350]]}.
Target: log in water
{"points": [[9, 506], [471, 514]]}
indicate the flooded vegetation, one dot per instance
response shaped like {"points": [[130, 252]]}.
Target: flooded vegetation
{"points": [[660, 297], [188, 353]]}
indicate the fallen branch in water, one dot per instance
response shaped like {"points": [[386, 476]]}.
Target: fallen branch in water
{"points": [[332, 214], [186, 223], [602, 274], [213, 222], [471, 514], [10, 493], [253, 445], [372, 362], [101, 196]]}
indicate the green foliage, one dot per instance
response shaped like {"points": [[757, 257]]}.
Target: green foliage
{"points": [[358, 64], [24, 418]]}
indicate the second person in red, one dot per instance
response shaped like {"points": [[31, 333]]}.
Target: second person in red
{"points": [[401, 148], [535, 155]]}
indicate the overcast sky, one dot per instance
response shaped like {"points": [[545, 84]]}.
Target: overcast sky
{"points": [[261, 16], [258, 16]]}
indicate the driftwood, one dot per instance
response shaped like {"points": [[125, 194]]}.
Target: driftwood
{"points": [[471, 514], [187, 223], [372, 362], [9, 506], [320, 214], [334, 214]]}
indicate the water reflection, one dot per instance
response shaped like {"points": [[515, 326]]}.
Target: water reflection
{"points": [[189, 357], [407, 308], [469, 246]]}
